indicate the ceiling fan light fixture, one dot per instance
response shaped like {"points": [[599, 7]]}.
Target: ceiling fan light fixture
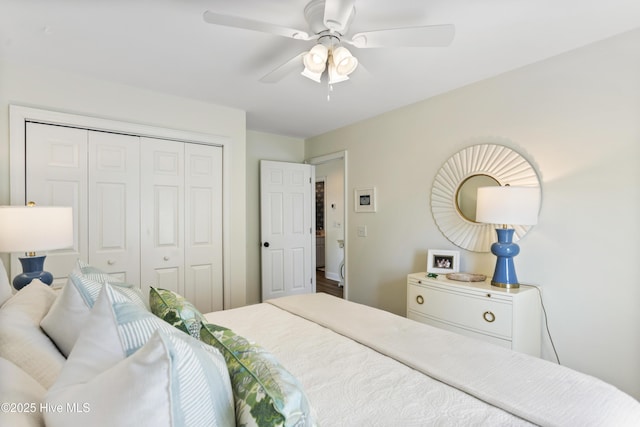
{"points": [[316, 59], [328, 25], [345, 62]]}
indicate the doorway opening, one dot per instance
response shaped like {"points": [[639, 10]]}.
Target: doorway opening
{"points": [[326, 281], [331, 202]]}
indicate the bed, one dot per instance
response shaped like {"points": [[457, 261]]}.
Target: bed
{"points": [[365, 367], [100, 353]]}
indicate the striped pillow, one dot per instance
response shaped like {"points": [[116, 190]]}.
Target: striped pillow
{"points": [[94, 274], [125, 351], [72, 307]]}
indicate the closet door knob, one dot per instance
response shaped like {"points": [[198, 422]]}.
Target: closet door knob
{"points": [[111, 262], [166, 258], [266, 244]]}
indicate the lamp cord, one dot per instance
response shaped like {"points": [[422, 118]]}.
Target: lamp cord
{"points": [[546, 322]]}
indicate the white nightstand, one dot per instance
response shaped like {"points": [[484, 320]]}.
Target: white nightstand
{"points": [[510, 318]]}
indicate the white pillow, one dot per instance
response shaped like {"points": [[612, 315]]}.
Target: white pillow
{"points": [[169, 379], [5, 286], [22, 394], [71, 310], [21, 339]]}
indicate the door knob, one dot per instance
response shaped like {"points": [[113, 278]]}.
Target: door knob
{"points": [[266, 244]]}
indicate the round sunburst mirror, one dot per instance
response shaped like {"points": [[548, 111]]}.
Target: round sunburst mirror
{"points": [[453, 195]]}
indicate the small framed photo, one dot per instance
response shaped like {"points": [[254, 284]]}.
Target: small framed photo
{"points": [[365, 199], [442, 261]]}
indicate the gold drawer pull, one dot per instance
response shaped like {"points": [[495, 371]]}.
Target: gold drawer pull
{"points": [[489, 316], [420, 299]]}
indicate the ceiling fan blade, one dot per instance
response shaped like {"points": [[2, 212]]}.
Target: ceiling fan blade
{"points": [[284, 69], [427, 36], [338, 14], [249, 24]]}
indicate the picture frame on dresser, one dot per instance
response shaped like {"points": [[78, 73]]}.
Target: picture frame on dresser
{"points": [[441, 261]]}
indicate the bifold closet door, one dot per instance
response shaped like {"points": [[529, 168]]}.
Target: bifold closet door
{"points": [[114, 204], [162, 214], [146, 210], [56, 175], [181, 227], [97, 174], [203, 227]]}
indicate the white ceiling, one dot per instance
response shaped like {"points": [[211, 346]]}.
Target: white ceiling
{"points": [[164, 45]]}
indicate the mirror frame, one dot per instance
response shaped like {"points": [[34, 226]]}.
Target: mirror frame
{"points": [[496, 161]]}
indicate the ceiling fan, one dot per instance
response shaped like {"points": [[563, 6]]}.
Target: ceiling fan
{"points": [[329, 22]]}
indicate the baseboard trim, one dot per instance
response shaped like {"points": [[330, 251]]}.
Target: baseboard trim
{"points": [[332, 276]]}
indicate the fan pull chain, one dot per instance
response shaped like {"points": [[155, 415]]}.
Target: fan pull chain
{"points": [[329, 85]]}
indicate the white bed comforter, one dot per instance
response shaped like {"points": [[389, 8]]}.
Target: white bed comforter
{"points": [[358, 382]]}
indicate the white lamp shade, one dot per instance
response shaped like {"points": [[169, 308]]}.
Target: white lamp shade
{"points": [[334, 76], [508, 205], [311, 75], [316, 59], [345, 62], [35, 228]]}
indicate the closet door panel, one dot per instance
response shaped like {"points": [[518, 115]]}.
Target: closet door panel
{"points": [[166, 278], [162, 214], [114, 204], [203, 227], [57, 176]]}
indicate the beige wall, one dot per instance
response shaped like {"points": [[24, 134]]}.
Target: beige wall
{"points": [[576, 117], [58, 91], [262, 146]]}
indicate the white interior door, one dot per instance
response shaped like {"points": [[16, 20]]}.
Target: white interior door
{"points": [[287, 228], [56, 164], [203, 227], [114, 204], [162, 214]]}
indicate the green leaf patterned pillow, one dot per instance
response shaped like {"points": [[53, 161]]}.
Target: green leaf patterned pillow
{"points": [[176, 310], [265, 393]]}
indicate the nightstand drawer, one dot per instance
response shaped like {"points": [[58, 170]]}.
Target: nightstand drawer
{"points": [[472, 311]]}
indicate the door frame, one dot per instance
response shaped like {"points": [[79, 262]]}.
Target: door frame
{"points": [[20, 115], [318, 160]]}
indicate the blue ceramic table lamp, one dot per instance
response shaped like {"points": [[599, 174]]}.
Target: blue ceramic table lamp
{"points": [[31, 228], [507, 206]]}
